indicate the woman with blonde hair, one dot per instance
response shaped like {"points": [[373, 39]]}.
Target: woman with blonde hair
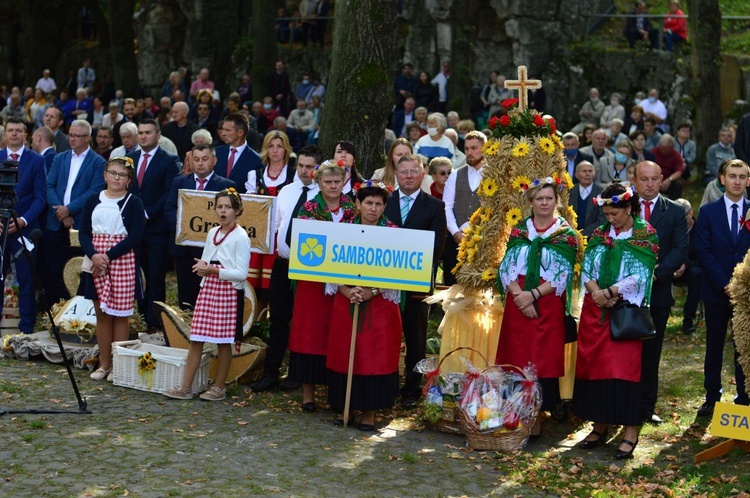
{"points": [[387, 174]]}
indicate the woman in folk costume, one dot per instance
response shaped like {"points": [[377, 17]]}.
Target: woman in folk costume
{"points": [[375, 384], [536, 274], [218, 316], [279, 169], [311, 317], [618, 264]]}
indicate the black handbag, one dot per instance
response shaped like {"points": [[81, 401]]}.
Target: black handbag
{"points": [[629, 322]]}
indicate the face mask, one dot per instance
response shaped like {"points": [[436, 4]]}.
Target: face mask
{"points": [[432, 131], [301, 111], [614, 103], [267, 107], [620, 158], [652, 100], [571, 152], [305, 82], [637, 101], [462, 136]]}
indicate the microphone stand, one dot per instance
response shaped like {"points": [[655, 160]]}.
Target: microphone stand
{"points": [[35, 236]]}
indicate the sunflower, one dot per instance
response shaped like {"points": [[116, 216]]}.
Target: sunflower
{"points": [[486, 146], [470, 253], [489, 274], [521, 149], [521, 183], [475, 217], [486, 215], [492, 149], [513, 216], [557, 140], [546, 145], [489, 187], [577, 268]]}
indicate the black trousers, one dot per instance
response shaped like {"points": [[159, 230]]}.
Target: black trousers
{"points": [[717, 319], [450, 258], [281, 304], [154, 260], [188, 283], [651, 356], [414, 321], [55, 254]]}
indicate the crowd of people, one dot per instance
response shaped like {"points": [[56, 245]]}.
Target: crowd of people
{"points": [[116, 174]]}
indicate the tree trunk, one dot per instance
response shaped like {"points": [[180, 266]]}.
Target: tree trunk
{"points": [[122, 38], [360, 87], [42, 40], [264, 46], [462, 61], [705, 34]]}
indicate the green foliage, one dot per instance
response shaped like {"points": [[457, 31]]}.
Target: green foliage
{"points": [[521, 124], [370, 76]]}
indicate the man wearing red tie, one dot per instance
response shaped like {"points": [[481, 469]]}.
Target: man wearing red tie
{"points": [[235, 159], [668, 219], [155, 171], [721, 242]]}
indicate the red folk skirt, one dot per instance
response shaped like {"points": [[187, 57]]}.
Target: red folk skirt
{"points": [[115, 288], [599, 357], [540, 341], [311, 319], [378, 338], [217, 314], [259, 273]]}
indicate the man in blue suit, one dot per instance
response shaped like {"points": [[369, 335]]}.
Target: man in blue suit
{"points": [[721, 242], [236, 156], [155, 170], [75, 175], [202, 178], [403, 117], [30, 193]]}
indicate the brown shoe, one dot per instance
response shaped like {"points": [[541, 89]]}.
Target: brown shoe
{"points": [[178, 393], [214, 394]]}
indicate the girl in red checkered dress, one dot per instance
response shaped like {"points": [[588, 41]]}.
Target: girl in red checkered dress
{"points": [[112, 226], [220, 304]]}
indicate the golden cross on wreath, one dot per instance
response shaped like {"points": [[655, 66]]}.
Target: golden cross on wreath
{"points": [[522, 85]]}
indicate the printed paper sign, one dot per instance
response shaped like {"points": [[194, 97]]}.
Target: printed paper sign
{"points": [[731, 421]]}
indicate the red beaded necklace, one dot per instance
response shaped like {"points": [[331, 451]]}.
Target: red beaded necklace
{"points": [[268, 172], [542, 230], [218, 242]]}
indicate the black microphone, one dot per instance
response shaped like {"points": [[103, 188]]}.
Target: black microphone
{"points": [[35, 236]]}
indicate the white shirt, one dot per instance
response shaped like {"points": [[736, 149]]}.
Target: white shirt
{"points": [[584, 192], [728, 207], [285, 202], [75, 165], [653, 201], [121, 152], [208, 179], [150, 158], [106, 218], [441, 80], [8, 152], [46, 84], [449, 196], [240, 150], [252, 179], [413, 197]]}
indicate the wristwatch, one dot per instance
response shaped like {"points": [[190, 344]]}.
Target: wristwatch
{"points": [[375, 291]]}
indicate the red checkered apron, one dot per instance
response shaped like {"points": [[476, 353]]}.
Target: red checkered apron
{"points": [[116, 288], [215, 315]]}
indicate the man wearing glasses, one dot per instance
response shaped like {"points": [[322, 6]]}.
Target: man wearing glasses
{"points": [[75, 175], [410, 207]]}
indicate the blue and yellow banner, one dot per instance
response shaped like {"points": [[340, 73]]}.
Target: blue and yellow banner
{"points": [[342, 253], [731, 421]]}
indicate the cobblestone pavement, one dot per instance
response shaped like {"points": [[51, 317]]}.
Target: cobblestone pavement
{"points": [[141, 444]]}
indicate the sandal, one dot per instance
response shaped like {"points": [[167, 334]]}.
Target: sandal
{"points": [[178, 393], [214, 394]]}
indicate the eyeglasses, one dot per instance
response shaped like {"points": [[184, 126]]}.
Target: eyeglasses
{"points": [[409, 172], [443, 173], [77, 136], [114, 174]]}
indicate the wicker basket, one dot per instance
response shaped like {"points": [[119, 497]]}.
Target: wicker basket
{"points": [[503, 439], [168, 372], [450, 423]]}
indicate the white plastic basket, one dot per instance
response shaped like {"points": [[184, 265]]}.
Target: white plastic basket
{"points": [[168, 372]]}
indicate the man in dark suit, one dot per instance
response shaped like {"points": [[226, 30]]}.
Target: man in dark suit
{"points": [[236, 157], [180, 130], [403, 117], [202, 178], [410, 207], [155, 170], [573, 156], [668, 219], [639, 27], [721, 243], [43, 141], [589, 214], [30, 193], [54, 119], [75, 175]]}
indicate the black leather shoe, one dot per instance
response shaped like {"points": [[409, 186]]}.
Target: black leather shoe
{"points": [[688, 327], [365, 427], [594, 443], [289, 385], [651, 418], [706, 409], [339, 422], [310, 406], [626, 455], [742, 400], [409, 403], [265, 384]]}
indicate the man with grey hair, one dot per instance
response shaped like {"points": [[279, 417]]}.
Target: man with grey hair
{"points": [[75, 175], [572, 155], [672, 165], [180, 129], [459, 159], [603, 158], [590, 112], [129, 138], [718, 153]]}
